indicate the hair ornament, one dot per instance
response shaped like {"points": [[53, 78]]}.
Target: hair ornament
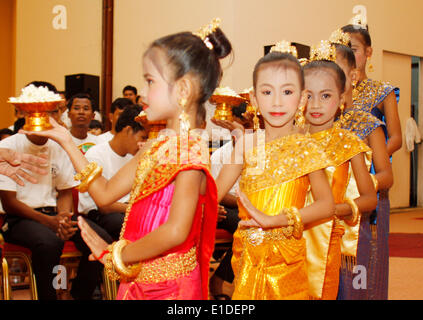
{"points": [[340, 37], [285, 47], [360, 20], [325, 51], [207, 30]]}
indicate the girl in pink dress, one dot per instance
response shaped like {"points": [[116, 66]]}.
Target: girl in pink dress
{"points": [[169, 230]]}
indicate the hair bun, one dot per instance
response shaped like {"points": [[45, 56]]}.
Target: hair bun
{"points": [[221, 45]]}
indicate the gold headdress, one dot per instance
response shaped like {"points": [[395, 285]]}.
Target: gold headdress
{"points": [[284, 47], [325, 51], [340, 37], [207, 30]]}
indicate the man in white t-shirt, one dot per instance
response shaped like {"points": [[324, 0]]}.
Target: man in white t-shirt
{"points": [[112, 156], [38, 217], [115, 111], [80, 113]]}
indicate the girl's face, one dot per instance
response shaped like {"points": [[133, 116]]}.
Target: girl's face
{"points": [[158, 94], [361, 51], [324, 98], [277, 94]]}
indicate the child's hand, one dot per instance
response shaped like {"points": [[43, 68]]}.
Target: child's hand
{"points": [[236, 129], [259, 219], [58, 133], [221, 215], [93, 241]]}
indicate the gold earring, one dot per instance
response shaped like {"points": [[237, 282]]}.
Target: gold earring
{"points": [[256, 120], [183, 118], [355, 91], [371, 68], [299, 116], [341, 117]]}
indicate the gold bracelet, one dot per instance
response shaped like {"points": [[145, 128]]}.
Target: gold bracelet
{"points": [[108, 265], [375, 182], [85, 184], [298, 223], [355, 213], [295, 224], [126, 272], [83, 175]]}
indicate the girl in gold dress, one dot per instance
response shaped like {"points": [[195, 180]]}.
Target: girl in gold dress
{"points": [[280, 164], [326, 86]]}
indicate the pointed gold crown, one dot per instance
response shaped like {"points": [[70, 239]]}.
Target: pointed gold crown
{"points": [[207, 30], [359, 20], [340, 37], [325, 51], [284, 47]]}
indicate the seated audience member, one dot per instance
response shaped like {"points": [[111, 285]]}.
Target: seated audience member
{"points": [[96, 127], [6, 132], [112, 156], [81, 112], [130, 93], [39, 217], [115, 110], [228, 208]]}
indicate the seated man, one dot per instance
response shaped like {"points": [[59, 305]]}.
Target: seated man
{"points": [[115, 110], [39, 217], [130, 92], [81, 112], [112, 156]]}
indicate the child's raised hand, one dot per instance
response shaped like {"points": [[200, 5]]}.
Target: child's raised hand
{"points": [[93, 241], [58, 133], [236, 129]]}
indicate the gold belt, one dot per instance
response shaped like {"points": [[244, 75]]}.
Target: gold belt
{"points": [[170, 267], [256, 236]]}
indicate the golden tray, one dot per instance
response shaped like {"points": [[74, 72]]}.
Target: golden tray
{"points": [[224, 106], [36, 114]]}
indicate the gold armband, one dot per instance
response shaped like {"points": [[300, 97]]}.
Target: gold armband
{"points": [[355, 213], [91, 172]]}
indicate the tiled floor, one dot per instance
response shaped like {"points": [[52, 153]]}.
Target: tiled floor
{"points": [[405, 274]]}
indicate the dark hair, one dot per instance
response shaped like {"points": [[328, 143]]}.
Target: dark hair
{"points": [[127, 118], [6, 131], [356, 29], [18, 125], [329, 65], [120, 103], [95, 124], [130, 88], [347, 53], [81, 96], [280, 60], [187, 53], [49, 86]]}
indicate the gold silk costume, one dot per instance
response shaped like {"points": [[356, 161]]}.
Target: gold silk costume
{"points": [[270, 264], [323, 237]]}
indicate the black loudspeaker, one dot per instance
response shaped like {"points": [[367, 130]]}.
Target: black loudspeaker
{"points": [[83, 83]]}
